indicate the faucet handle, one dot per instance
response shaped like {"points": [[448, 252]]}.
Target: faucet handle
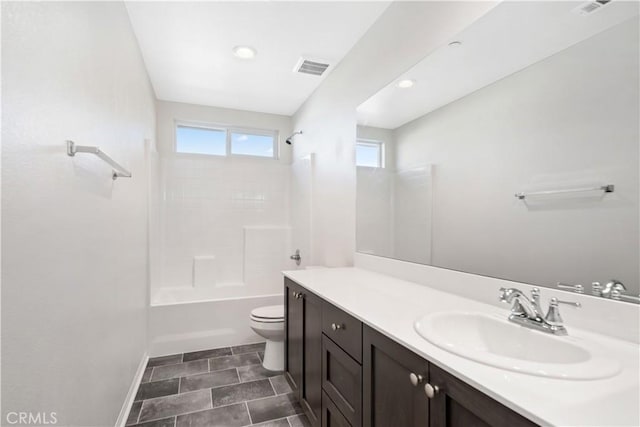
{"points": [[553, 315], [596, 289]]}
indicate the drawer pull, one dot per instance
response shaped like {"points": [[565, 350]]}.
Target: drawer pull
{"points": [[431, 390], [415, 379], [337, 326]]}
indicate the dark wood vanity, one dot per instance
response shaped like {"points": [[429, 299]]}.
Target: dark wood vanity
{"points": [[346, 374]]}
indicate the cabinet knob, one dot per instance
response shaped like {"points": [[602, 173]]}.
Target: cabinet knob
{"points": [[295, 294], [431, 390], [300, 295], [415, 379], [336, 326]]}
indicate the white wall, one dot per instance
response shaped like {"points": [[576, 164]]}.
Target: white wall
{"points": [[571, 120], [74, 266], [233, 209], [403, 35]]}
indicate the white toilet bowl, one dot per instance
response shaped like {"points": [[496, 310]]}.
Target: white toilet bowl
{"points": [[268, 322]]}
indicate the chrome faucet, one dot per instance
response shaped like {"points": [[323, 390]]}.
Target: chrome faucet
{"points": [[527, 312], [613, 289]]}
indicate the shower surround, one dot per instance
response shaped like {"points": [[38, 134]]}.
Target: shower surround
{"points": [[220, 234]]}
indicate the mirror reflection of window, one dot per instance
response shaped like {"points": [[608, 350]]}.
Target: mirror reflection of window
{"points": [[369, 153]]}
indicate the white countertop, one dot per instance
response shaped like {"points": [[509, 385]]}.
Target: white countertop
{"points": [[391, 306]]}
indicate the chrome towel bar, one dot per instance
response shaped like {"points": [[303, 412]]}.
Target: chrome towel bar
{"points": [[118, 170], [606, 188]]}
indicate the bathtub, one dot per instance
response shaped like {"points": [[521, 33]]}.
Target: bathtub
{"points": [[184, 319]]}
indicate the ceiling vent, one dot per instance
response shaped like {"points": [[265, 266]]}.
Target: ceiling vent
{"points": [[313, 67], [590, 7]]}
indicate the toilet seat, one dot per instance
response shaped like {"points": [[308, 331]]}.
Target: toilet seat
{"points": [[268, 314]]}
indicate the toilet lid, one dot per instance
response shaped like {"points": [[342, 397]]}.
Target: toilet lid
{"points": [[270, 312]]}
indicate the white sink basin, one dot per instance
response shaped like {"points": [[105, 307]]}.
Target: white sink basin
{"points": [[497, 342]]}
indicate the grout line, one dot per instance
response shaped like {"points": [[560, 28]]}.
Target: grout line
{"points": [[211, 397], [236, 367], [247, 408], [208, 365], [175, 421], [275, 393], [179, 384], [139, 413]]}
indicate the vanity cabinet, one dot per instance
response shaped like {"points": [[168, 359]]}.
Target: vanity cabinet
{"points": [[347, 374], [303, 348], [389, 397]]}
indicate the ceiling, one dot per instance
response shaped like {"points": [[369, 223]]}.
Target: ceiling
{"points": [[187, 48], [510, 37]]}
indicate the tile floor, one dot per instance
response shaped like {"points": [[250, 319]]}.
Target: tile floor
{"points": [[224, 387]]}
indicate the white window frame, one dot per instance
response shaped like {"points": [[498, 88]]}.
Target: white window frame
{"points": [[372, 143], [228, 130]]}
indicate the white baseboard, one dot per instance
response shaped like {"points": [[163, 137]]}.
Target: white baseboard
{"points": [[133, 390]]}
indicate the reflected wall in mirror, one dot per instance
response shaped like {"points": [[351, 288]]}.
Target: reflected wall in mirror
{"points": [[535, 97]]}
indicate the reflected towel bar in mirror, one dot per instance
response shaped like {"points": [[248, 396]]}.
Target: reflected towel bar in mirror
{"points": [[118, 170], [606, 188]]}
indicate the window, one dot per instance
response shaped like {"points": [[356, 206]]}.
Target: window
{"points": [[199, 140], [252, 144], [369, 153], [224, 141]]}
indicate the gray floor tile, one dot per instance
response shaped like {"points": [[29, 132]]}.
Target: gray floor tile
{"points": [[261, 355], [282, 422], [280, 385], [209, 380], [248, 348], [180, 370], [299, 421], [165, 422], [272, 408], [157, 389], [255, 372], [226, 416], [176, 404], [227, 362], [240, 392], [206, 354], [165, 360], [146, 377], [133, 413]]}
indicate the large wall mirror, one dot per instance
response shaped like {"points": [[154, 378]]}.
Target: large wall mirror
{"points": [[512, 151]]}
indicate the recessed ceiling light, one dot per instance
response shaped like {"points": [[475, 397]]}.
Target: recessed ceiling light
{"points": [[406, 83], [244, 52], [455, 43]]}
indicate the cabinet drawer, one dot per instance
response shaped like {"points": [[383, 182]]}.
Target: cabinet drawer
{"points": [[342, 381], [331, 416], [343, 329]]}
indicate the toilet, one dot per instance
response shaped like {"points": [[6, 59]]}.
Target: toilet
{"points": [[268, 322]]}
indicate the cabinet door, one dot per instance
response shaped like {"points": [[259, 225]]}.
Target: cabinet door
{"points": [[311, 392], [457, 404], [293, 335], [331, 416], [389, 396]]}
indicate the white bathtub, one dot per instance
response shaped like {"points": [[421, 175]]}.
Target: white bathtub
{"points": [[189, 319]]}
